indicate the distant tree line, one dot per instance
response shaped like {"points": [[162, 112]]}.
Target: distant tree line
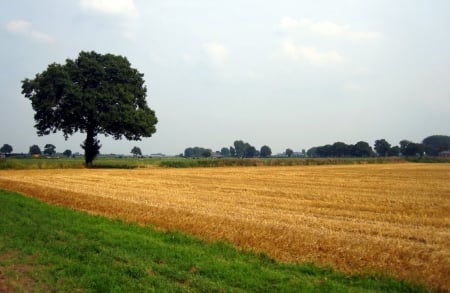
{"points": [[49, 150], [239, 149], [430, 146]]}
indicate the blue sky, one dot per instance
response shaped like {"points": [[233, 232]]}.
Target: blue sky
{"points": [[288, 74]]}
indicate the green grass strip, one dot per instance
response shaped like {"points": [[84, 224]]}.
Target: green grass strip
{"points": [[46, 248]]}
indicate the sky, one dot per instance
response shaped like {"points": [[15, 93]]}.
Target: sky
{"points": [[286, 73]]}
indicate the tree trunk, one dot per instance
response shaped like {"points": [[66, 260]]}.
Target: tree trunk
{"points": [[91, 147]]}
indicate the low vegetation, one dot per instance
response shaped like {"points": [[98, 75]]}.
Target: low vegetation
{"points": [[47, 248], [377, 218], [179, 162]]}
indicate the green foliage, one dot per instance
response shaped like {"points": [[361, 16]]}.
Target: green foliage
{"points": [[67, 153], [136, 151], [67, 251], [35, 150], [289, 152], [408, 148], [49, 149], [362, 149], [6, 149], [244, 150], [41, 163], [94, 94], [132, 163], [197, 152], [239, 147], [340, 149], [382, 147], [253, 162], [265, 151], [435, 144], [225, 152]]}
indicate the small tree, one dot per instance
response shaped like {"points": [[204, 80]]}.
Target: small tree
{"points": [[6, 149], [265, 151], [49, 149], [67, 153], [35, 150], [289, 152], [136, 151]]}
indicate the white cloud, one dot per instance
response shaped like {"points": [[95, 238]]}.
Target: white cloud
{"points": [[18, 26], [327, 28], [311, 54], [25, 28], [118, 7], [217, 52]]}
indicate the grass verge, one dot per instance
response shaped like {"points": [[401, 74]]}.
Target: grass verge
{"points": [[106, 162], [48, 248]]}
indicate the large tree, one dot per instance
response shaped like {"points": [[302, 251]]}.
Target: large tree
{"points": [[93, 94]]}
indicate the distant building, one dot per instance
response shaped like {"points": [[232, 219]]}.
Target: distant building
{"points": [[445, 154]]}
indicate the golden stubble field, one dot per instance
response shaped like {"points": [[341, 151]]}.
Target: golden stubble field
{"points": [[392, 218]]}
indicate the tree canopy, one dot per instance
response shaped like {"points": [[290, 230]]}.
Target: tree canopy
{"points": [[265, 151], [93, 94], [49, 149], [382, 147], [6, 149], [197, 152], [35, 150], [67, 153], [289, 152], [341, 149], [436, 143], [408, 148], [136, 151]]}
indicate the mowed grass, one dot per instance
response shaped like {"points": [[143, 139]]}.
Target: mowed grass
{"points": [[379, 218], [45, 248]]}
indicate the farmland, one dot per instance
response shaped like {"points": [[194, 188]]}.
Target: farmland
{"points": [[387, 218]]}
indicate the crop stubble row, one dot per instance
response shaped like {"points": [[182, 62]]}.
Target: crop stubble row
{"points": [[392, 218]]}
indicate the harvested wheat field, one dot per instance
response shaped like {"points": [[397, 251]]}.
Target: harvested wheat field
{"points": [[392, 218]]}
